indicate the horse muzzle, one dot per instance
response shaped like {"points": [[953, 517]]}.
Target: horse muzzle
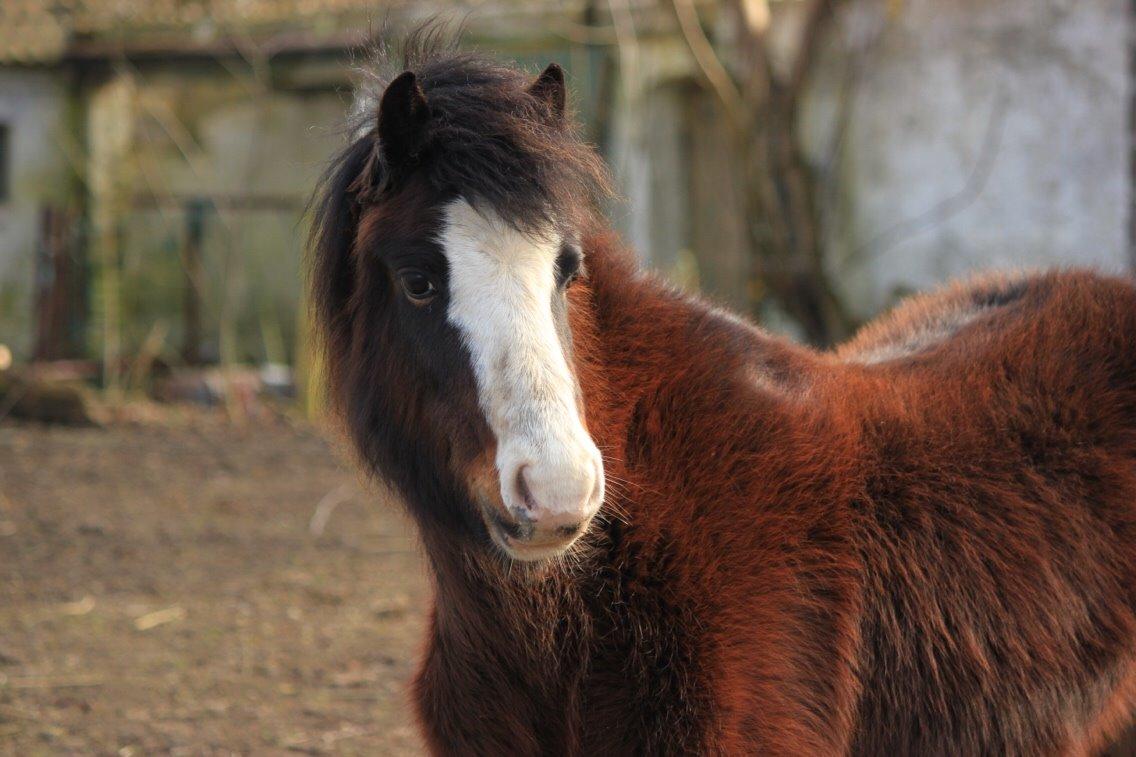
{"points": [[545, 504]]}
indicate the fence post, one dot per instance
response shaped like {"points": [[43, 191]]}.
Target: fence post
{"points": [[194, 279], [58, 296]]}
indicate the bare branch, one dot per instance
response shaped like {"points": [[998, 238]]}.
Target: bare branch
{"points": [[711, 66], [820, 16], [758, 84], [627, 42], [828, 171]]}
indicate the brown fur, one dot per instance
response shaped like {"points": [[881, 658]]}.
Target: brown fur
{"points": [[921, 543]]}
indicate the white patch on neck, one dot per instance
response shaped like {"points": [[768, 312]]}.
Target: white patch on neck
{"points": [[501, 285]]}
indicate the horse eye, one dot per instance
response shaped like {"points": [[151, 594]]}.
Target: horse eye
{"points": [[567, 268], [418, 286]]}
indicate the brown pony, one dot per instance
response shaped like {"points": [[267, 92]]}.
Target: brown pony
{"points": [[654, 528]]}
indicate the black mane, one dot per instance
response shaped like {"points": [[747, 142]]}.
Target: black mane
{"points": [[488, 139]]}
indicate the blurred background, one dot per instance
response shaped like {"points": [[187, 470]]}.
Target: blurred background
{"points": [[188, 560]]}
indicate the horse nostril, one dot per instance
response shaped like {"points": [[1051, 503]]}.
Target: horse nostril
{"points": [[555, 499], [518, 529], [569, 530], [523, 491]]}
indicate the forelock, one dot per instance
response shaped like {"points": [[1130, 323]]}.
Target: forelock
{"points": [[489, 140]]}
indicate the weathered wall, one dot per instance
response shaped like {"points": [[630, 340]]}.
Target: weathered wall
{"points": [[642, 148], [33, 103], [980, 135], [202, 133]]}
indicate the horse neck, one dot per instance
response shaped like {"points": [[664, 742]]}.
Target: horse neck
{"points": [[532, 617], [633, 334], [476, 589]]}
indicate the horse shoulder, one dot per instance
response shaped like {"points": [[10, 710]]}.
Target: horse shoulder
{"points": [[755, 472]]}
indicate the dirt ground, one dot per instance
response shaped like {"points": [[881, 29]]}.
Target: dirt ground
{"points": [[198, 587], [189, 586]]}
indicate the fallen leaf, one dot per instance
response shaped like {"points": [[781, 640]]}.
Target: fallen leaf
{"points": [[160, 618]]}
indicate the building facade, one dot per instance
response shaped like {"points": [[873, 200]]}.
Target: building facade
{"points": [[156, 158]]}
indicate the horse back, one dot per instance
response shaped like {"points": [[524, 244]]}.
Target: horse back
{"points": [[997, 517]]}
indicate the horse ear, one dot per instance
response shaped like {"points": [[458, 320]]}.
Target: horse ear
{"points": [[403, 117], [549, 89]]}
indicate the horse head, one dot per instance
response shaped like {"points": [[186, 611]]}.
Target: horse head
{"points": [[446, 243]]}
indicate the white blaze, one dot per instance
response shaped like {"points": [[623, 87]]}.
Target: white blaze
{"points": [[501, 284]]}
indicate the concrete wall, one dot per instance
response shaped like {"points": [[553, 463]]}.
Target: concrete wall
{"points": [[981, 135], [33, 103]]}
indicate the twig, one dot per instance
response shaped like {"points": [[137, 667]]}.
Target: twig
{"points": [[760, 83], [149, 351], [326, 507], [829, 170], [708, 62], [820, 15], [582, 34], [80, 607], [14, 394], [627, 42]]}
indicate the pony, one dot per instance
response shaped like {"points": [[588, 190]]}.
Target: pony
{"points": [[654, 528]]}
